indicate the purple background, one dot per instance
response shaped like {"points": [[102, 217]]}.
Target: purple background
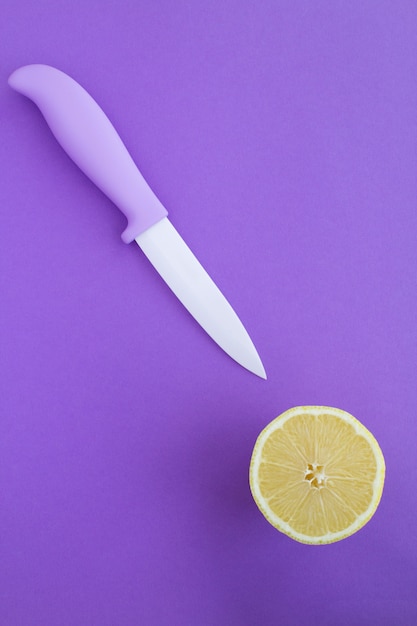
{"points": [[282, 138]]}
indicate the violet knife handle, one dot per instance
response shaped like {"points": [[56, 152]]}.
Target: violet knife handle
{"points": [[89, 138]]}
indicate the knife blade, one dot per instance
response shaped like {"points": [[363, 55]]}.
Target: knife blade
{"points": [[88, 137]]}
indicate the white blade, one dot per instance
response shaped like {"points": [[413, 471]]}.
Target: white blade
{"points": [[182, 272]]}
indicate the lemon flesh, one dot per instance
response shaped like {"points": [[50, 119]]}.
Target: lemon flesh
{"points": [[317, 474]]}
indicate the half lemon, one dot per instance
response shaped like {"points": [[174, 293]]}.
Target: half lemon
{"points": [[317, 474]]}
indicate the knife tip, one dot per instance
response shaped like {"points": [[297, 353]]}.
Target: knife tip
{"points": [[258, 368], [262, 374]]}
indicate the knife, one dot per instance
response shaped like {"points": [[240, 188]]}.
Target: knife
{"points": [[89, 138]]}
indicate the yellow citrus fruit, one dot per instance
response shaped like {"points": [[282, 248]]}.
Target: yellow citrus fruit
{"points": [[317, 474]]}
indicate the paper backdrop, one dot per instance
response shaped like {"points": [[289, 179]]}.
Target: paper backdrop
{"points": [[282, 138]]}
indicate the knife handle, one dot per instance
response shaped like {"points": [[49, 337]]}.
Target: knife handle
{"points": [[89, 138]]}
